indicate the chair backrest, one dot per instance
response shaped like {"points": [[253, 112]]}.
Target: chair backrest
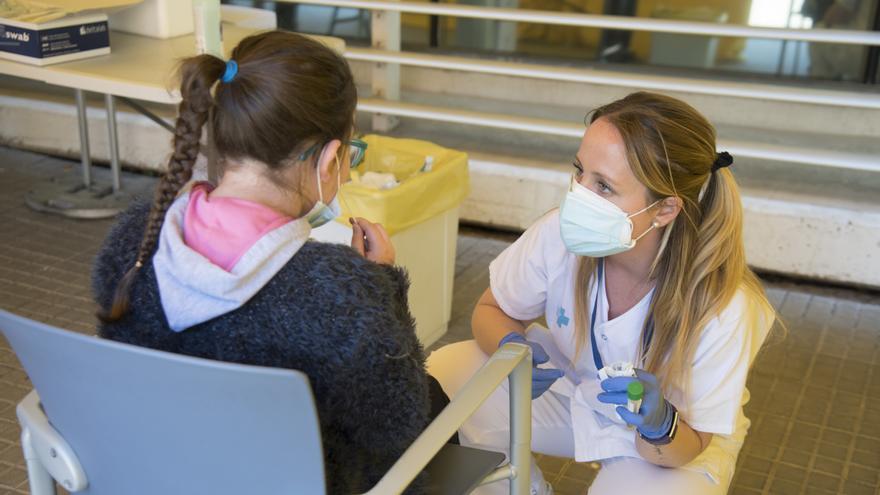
{"points": [[147, 422]]}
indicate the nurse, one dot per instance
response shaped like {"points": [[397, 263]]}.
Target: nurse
{"points": [[643, 263]]}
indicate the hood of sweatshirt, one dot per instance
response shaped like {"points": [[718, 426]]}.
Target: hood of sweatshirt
{"points": [[194, 290]]}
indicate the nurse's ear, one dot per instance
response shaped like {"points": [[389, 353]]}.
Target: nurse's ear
{"points": [[667, 210]]}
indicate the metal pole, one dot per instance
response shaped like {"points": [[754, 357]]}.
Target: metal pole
{"points": [[434, 29], [83, 124], [147, 113], [873, 60], [114, 141], [521, 426], [385, 34]]}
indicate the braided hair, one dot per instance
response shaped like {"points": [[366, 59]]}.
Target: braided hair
{"points": [[288, 93]]}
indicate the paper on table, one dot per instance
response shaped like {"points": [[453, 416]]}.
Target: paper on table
{"points": [[42, 11]]}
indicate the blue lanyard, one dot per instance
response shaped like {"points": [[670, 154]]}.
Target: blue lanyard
{"points": [[649, 327]]}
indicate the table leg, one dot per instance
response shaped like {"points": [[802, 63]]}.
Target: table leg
{"points": [[114, 141], [68, 196], [83, 123]]}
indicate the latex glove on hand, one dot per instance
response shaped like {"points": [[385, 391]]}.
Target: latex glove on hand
{"points": [[542, 378], [654, 418]]}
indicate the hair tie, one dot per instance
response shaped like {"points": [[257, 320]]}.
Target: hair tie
{"points": [[231, 71], [722, 160]]}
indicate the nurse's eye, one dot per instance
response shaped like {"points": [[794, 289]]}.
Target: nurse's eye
{"points": [[603, 187], [578, 169]]}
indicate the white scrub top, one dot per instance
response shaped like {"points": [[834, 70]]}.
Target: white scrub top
{"points": [[535, 277]]}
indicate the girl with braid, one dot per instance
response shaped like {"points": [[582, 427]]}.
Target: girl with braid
{"points": [[228, 272]]}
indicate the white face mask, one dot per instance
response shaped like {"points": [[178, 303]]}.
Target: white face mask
{"points": [[321, 213], [593, 226]]}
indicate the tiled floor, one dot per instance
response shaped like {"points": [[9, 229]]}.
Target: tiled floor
{"points": [[815, 397]]}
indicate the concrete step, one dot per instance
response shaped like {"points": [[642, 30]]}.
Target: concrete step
{"points": [[571, 100], [801, 220]]}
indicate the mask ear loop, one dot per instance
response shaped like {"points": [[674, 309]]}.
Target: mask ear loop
{"points": [[339, 186], [338, 177], [663, 242], [654, 224], [318, 180]]}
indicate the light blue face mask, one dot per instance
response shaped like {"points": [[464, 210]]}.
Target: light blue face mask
{"points": [[593, 226], [322, 213]]}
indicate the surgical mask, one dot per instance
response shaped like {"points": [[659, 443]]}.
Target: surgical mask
{"points": [[593, 226], [322, 213]]}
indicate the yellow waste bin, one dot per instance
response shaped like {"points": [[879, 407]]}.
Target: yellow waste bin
{"points": [[420, 213]]}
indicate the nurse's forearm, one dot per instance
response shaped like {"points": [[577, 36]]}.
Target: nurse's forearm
{"points": [[490, 324], [687, 445]]}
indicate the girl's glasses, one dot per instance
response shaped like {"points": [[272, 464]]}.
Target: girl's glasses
{"points": [[357, 149]]}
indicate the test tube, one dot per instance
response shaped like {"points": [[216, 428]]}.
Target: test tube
{"points": [[634, 393]]}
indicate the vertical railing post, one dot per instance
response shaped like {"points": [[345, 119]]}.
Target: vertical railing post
{"points": [[520, 381], [386, 77]]}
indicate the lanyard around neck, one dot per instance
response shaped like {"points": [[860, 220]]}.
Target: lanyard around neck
{"points": [[649, 327]]}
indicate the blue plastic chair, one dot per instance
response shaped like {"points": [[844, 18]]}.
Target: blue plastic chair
{"points": [[113, 418]]}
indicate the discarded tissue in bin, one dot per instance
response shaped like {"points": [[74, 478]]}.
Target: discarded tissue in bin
{"points": [[429, 180]]}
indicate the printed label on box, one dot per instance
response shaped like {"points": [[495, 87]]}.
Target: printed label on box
{"points": [[54, 42]]}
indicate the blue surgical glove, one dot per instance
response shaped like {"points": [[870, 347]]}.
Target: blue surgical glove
{"points": [[654, 418], [542, 378]]}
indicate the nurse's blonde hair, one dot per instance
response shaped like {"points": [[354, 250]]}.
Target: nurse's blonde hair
{"points": [[701, 263]]}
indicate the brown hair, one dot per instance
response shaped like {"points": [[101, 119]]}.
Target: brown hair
{"points": [[701, 263], [290, 93]]}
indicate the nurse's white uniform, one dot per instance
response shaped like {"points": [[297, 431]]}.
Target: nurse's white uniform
{"points": [[534, 277]]}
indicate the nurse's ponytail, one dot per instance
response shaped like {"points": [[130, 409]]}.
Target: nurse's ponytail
{"points": [[280, 94], [701, 263]]}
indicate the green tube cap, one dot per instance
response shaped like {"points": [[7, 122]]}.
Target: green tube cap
{"points": [[635, 390]]}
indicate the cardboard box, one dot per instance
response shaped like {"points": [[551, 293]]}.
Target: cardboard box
{"points": [[62, 40], [155, 18]]}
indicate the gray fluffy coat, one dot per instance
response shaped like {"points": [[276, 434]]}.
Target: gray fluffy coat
{"points": [[339, 318]]}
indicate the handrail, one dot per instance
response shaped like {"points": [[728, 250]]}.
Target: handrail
{"points": [[841, 36], [613, 78], [511, 360], [392, 58], [820, 157]]}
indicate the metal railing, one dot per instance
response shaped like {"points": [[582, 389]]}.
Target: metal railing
{"points": [[605, 21], [614, 78], [388, 57], [512, 362], [821, 157]]}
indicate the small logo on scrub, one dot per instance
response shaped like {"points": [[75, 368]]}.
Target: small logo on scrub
{"points": [[561, 319], [17, 36], [94, 29]]}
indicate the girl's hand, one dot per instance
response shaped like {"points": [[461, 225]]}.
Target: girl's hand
{"points": [[371, 241], [654, 418]]}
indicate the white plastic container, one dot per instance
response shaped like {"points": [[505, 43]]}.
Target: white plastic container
{"points": [[427, 251], [155, 18]]}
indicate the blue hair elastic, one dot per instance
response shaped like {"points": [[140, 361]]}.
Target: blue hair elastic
{"points": [[231, 71]]}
